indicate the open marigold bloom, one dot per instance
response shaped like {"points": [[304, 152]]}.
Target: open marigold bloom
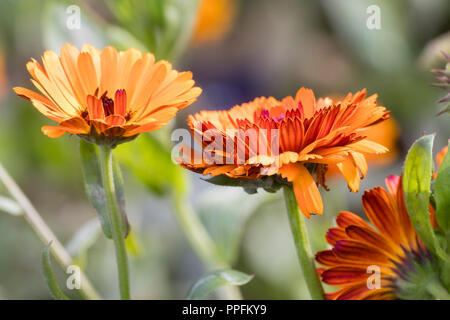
{"points": [[390, 246], [106, 96], [289, 140]]}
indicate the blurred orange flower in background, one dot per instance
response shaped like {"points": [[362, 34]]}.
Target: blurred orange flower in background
{"points": [[214, 20], [312, 134], [393, 247], [106, 96], [387, 134]]}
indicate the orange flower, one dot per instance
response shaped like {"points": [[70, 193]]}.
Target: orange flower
{"points": [[394, 247], [214, 20], [105, 96], [311, 134]]}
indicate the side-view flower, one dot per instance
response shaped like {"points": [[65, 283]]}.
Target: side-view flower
{"points": [[292, 140]]}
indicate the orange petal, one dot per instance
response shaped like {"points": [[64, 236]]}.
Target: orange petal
{"points": [[87, 72], [115, 120], [95, 108], [150, 126], [75, 125], [350, 172], [53, 132], [382, 212], [357, 291], [367, 146], [308, 101], [305, 188], [345, 275], [372, 238], [327, 258], [108, 61], [356, 251], [120, 103], [441, 155], [360, 162], [347, 218], [334, 235]]}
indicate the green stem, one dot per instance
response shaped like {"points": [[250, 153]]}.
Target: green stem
{"points": [[202, 243], [106, 165], [436, 289], [45, 234], [305, 256]]}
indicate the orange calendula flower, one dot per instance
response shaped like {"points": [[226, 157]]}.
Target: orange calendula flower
{"points": [[288, 140], [390, 247], [105, 96]]}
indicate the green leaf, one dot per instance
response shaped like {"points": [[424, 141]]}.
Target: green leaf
{"points": [[163, 26], [150, 161], [50, 278], [94, 187], [442, 194], [10, 206], [214, 280], [416, 183]]}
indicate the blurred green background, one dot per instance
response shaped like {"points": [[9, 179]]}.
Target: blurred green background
{"points": [[237, 50]]}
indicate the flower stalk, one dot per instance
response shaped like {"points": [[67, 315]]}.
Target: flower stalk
{"points": [[302, 244], [44, 233], [106, 165]]}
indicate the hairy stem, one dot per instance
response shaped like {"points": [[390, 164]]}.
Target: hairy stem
{"points": [[301, 240], [106, 165], [44, 233]]}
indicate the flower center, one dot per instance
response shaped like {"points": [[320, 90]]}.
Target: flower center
{"points": [[108, 105]]}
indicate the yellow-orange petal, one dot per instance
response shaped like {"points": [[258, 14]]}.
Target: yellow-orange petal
{"points": [[308, 101], [306, 192], [95, 108], [75, 125], [52, 131], [87, 73], [150, 126], [351, 174]]}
